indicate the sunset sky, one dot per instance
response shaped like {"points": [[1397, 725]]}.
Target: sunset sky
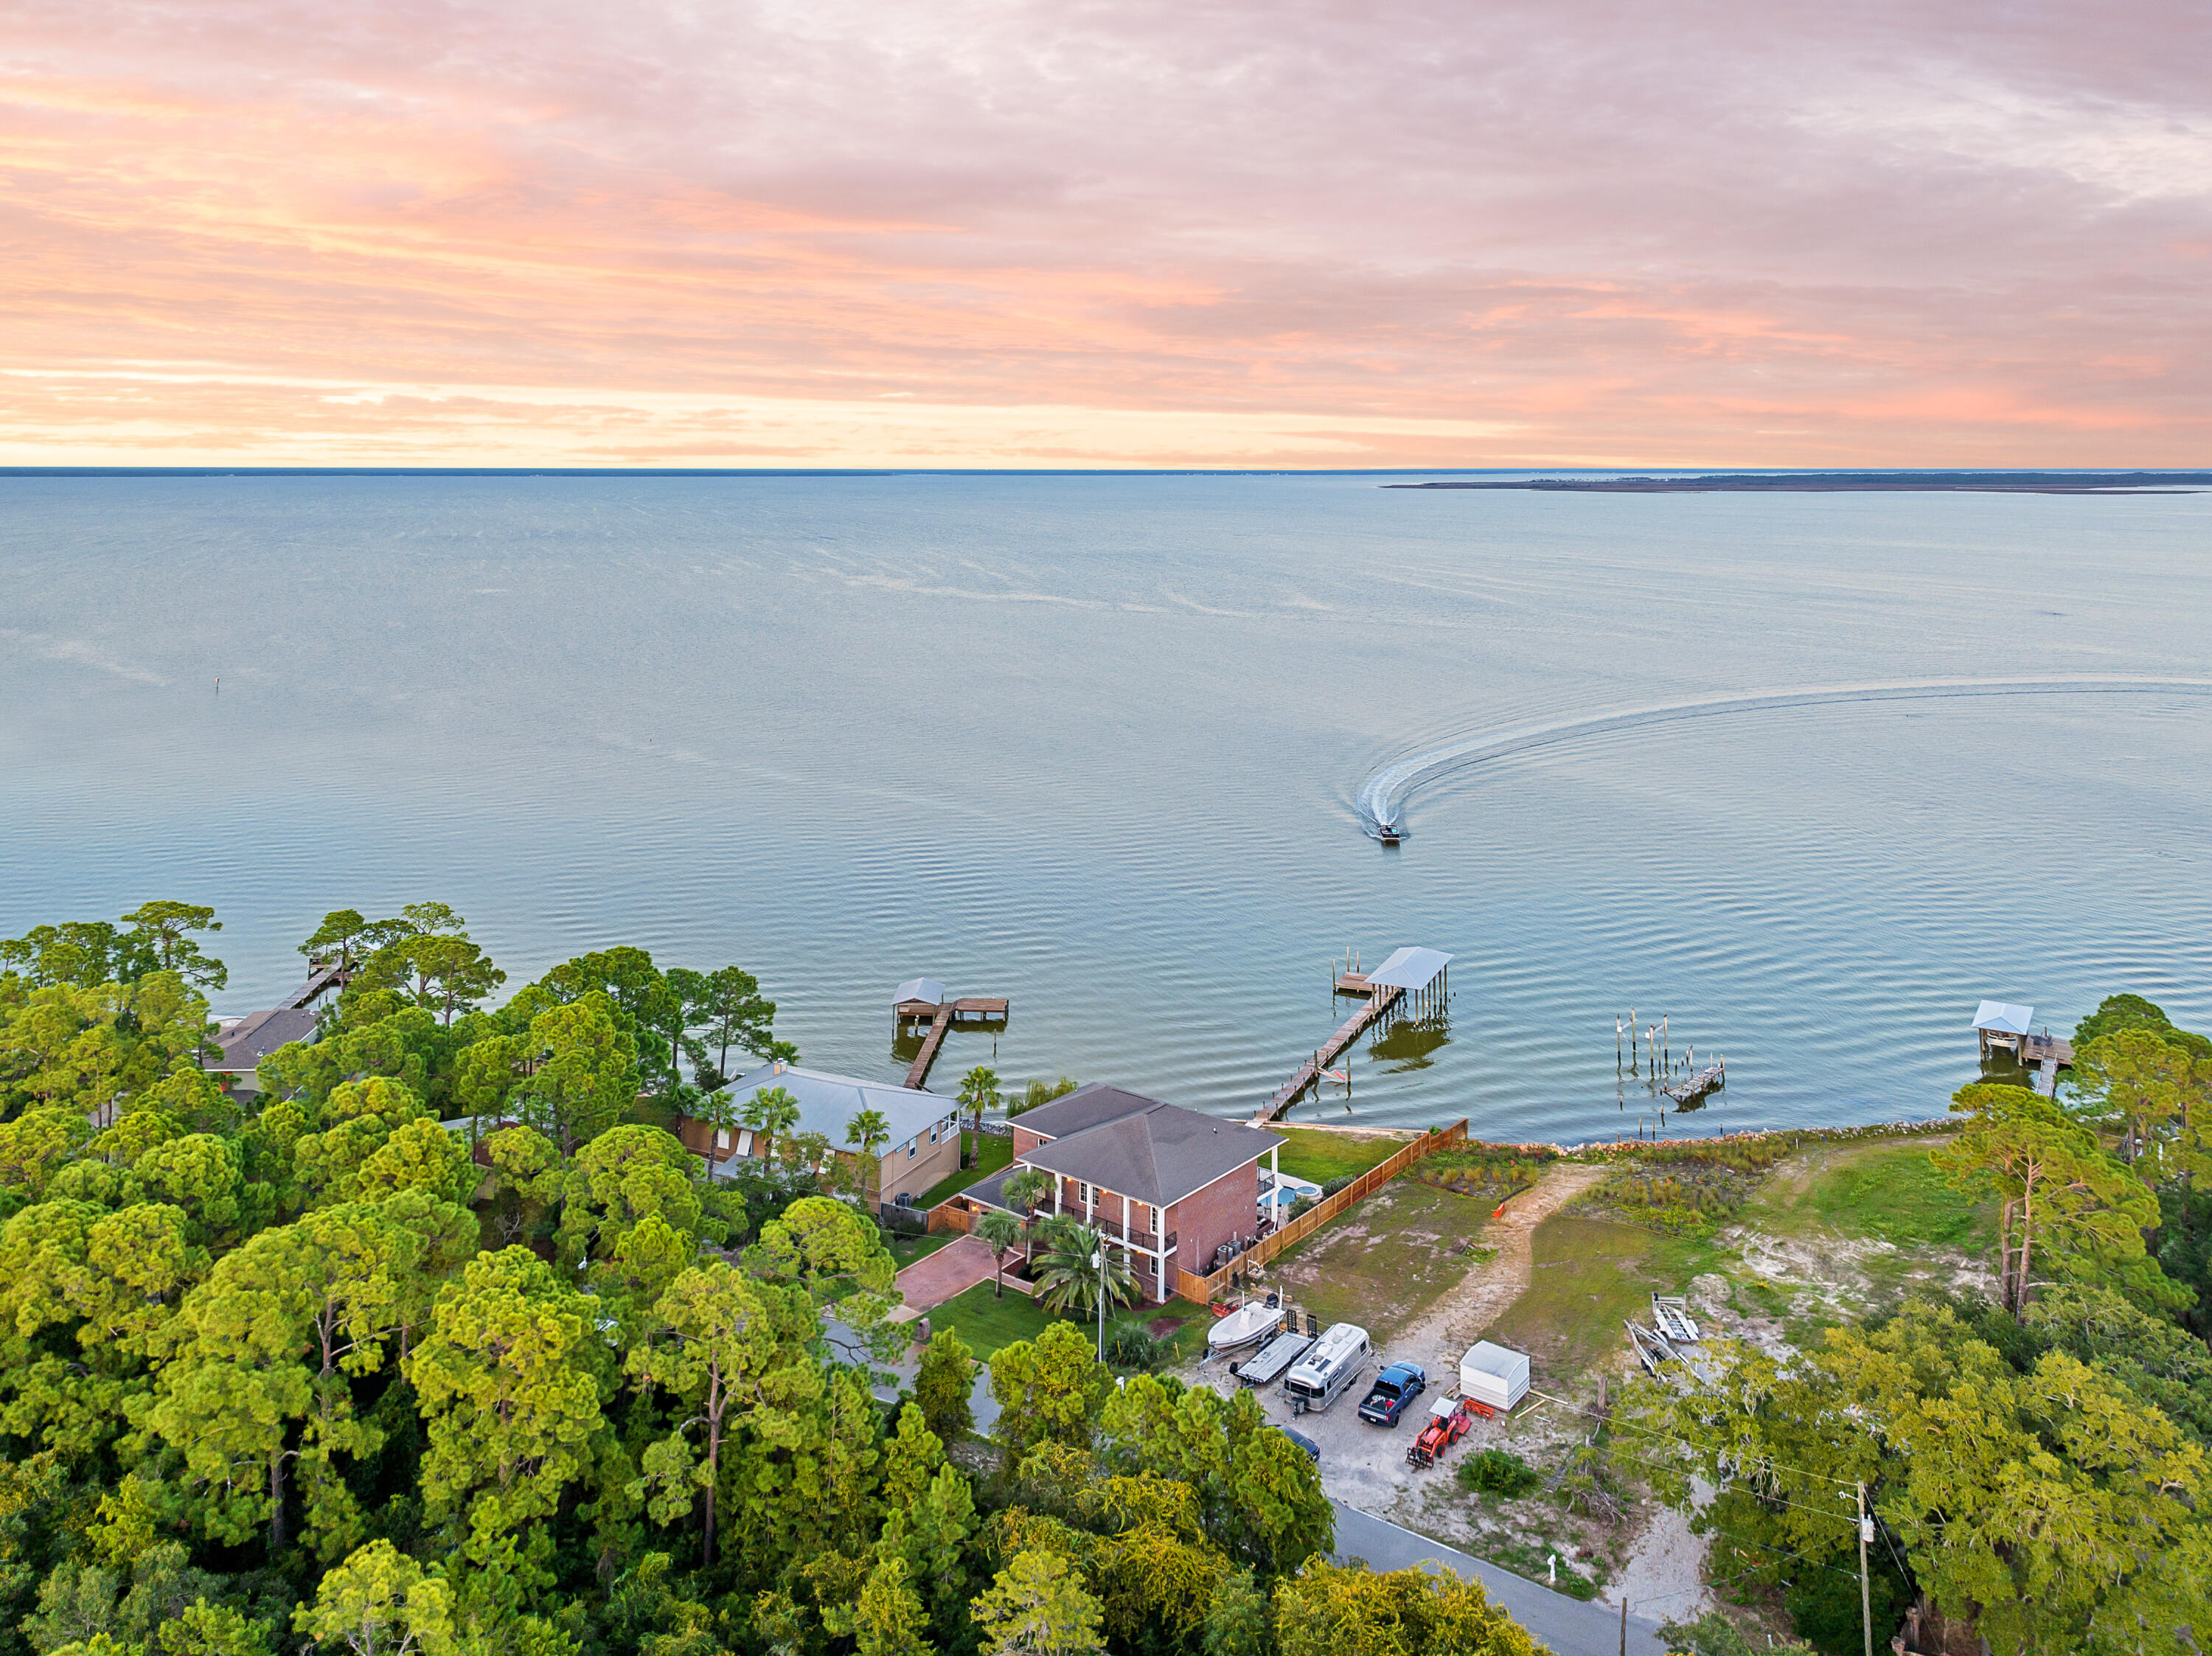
{"points": [[952, 233]]}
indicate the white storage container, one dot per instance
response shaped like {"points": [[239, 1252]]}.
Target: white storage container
{"points": [[1493, 1376]]}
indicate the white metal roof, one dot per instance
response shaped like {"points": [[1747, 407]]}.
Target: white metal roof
{"points": [[922, 989], [1409, 969], [2003, 1018], [828, 1103]]}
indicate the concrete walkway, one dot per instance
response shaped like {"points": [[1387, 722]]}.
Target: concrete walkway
{"points": [[953, 1268], [1569, 1626]]}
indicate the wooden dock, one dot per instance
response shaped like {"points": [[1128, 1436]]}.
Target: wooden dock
{"points": [[1379, 1004], [325, 980], [942, 1018], [2046, 1055]]}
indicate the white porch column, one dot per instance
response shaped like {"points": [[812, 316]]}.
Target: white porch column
{"points": [[1275, 1173], [1058, 1184], [1124, 1222]]}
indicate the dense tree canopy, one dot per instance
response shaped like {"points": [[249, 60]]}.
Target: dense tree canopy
{"points": [[440, 1343]]}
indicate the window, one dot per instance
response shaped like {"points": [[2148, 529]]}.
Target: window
{"points": [[744, 1140], [722, 1138], [1083, 1196], [911, 1144]]}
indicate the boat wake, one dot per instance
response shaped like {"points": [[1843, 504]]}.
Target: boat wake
{"points": [[1381, 798]]}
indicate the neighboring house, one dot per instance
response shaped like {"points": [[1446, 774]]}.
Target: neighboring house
{"points": [[1168, 1185], [243, 1043], [923, 1149]]}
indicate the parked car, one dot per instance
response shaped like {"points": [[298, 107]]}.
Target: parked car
{"points": [[1394, 1388], [1312, 1449]]}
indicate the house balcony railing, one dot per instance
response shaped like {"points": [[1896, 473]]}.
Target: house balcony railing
{"points": [[1143, 1240]]}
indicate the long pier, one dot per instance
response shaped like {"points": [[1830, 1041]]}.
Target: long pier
{"points": [[325, 980], [1378, 1006], [942, 1017]]}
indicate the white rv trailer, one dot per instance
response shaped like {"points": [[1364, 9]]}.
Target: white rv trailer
{"points": [[1339, 1357]]}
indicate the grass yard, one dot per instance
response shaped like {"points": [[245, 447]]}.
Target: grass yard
{"points": [[986, 1322], [1385, 1261], [1191, 1323], [907, 1249], [1321, 1156], [1590, 1275], [997, 1152], [1885, 1190]]}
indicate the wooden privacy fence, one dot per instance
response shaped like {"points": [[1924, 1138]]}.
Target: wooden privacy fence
{"points": [[952, 1214], [1202, 1289]]}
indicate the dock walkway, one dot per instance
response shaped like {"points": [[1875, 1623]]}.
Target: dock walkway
{"points": [[1378, 1004], [941, 1020]]}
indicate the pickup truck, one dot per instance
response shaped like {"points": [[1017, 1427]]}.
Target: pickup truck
{"points": [[1394, 1388]]}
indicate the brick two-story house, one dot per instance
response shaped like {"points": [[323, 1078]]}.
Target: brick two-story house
{"points": [[1166, 1185]]}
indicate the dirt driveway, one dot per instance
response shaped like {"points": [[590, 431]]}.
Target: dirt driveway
{"points": [[1365, 1466]]}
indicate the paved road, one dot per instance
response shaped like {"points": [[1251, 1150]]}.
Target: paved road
{"points": [[1567, 1625]]}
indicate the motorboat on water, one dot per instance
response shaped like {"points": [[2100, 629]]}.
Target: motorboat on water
{"points": [[1243, 1327], [1386, 833]]}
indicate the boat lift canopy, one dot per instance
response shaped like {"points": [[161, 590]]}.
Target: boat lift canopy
{"points": [[928, 991], [2000, 1018], [1409, 969]]}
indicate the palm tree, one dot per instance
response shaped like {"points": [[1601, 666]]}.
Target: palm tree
{"points": [[1001, 1232], [1066, 1278], [1023, 1191], [770, 1112], [979, 1091], [720, 1111], [868, 1129]]}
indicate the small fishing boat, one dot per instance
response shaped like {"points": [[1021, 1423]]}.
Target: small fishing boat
{"points": [[1387, 833], [1243, 1325]]}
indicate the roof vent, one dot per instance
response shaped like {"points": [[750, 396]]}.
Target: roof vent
{"points": [[779, 1066]]}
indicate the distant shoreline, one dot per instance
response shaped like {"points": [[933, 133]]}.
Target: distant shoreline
{"points": [[1863, 483]]}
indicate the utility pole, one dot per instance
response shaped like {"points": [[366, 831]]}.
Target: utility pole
{"points": [[1099, 1260], [1866, 1597], [1624, 1627]]}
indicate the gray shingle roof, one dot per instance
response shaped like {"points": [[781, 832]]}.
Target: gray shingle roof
{"points": [[1138, 1147], [251, 1039]]}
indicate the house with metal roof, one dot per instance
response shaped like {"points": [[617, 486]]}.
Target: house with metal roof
{"points": [[1171, 1187], [923, 1149]]}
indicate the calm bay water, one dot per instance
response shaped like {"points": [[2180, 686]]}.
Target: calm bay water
{"points": [[1096, 742]]}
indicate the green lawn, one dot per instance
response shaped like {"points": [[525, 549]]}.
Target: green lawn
{"points": [[907, 1249], [1590, 1275], [1189, 1339], [1883, 1190], [1321, 1156], [986, 1322], [1384, 1261], [997, 1152]]}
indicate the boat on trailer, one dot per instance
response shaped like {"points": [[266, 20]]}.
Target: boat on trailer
{"points": [[1243, 1327]]}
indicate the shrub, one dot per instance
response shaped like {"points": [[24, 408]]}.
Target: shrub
{"points": [[1498, 1472], [1133, 1345]]}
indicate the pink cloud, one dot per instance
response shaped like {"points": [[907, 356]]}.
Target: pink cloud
{"points": [[1709, 232]]}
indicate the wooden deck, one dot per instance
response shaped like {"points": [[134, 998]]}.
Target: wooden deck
{"points": [[321, 983], [941, 1021], [2046, 1055], [1378, 1005]]}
